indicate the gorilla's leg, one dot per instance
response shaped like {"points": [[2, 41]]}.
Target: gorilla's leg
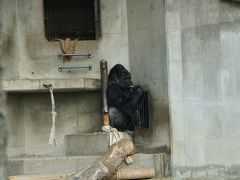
{"points": [[117, 119]]}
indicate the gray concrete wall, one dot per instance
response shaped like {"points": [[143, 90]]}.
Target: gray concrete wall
{"points": [[3, 133], [30, 120], [147, 58], [28, 55], [3, 120], [203, 68], [3, 127]]}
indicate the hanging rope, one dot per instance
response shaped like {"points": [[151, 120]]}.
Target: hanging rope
{"points": [[52, 137]]}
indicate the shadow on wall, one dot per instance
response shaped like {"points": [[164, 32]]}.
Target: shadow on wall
{"points": [[155, 139], [232, 2]]}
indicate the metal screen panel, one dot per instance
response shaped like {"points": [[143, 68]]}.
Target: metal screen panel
{"points": [[74, 19], [144, 115]]}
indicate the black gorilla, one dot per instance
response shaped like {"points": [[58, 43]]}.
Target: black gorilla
{"points": [[124, 99]]}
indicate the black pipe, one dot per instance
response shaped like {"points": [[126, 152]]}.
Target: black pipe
{"points": [[104, 79]]}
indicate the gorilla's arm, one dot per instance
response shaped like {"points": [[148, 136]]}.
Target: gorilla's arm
{"points": [[125, 100]]}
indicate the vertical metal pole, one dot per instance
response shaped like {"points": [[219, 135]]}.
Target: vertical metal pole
{"points": [[104, 79]]}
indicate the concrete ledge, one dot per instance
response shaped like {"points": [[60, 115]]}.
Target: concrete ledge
{"points": [[68, 164], [25, 85], [208, 172], [51, 165]]}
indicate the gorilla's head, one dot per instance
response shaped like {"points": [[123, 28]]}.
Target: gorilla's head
{"points": [[121, 76]]}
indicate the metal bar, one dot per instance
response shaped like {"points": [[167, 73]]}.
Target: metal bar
{"points": [[61, 55], [60, 68], [104, 79]]}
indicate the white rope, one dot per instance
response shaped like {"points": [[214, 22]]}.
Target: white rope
{"points": [[115, 135], [52, 136]]}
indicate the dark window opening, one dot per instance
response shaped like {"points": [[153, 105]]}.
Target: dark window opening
{"points": [[74, 19]]}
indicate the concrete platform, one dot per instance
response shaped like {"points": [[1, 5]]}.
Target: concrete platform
{"points": [[57, 177], [89, 144], [36, 85], [60, 165], [48, 165]]}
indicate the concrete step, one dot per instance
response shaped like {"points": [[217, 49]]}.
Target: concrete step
{"points": [[89, 144], [68, 164], [57, 177]]}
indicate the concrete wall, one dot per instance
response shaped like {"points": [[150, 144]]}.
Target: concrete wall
{"points": [[203, 68], [30, 120], [3, 128], [28, 55], [3, 134], [147, 57], [3, 121]]}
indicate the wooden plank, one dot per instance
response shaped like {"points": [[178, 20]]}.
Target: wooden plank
{"points": [[39, 177]]}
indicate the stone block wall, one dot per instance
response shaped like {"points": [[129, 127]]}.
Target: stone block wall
{"points": [[203, 72], [30, 120]]}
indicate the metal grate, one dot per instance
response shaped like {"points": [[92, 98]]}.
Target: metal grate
{"points": [[144, 118], [74, 19]]}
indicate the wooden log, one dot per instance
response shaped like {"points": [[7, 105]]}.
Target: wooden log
{"points": [[135, 173], [39, 177], [108, 164]]}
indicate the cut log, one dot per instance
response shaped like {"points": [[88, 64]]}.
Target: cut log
{"points": [[39, 177], [135, 173], [108, 164]]}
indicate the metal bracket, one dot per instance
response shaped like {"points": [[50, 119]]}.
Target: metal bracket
{"points": [[47, 85], [60, 68], [61, 55]]}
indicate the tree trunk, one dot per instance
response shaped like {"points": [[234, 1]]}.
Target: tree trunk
{"points": [[108, 164]]}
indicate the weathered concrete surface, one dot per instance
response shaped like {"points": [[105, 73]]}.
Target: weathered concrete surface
{"points": [[3, 124], [89, 144], [147, 58], [36, 85], [30, 60], [26, 166], [30, 120], [3, 130], [203, 69], [210, 172], [28, 55]]}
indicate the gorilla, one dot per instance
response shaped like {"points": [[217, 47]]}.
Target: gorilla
{"points": [[124, 99]]}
